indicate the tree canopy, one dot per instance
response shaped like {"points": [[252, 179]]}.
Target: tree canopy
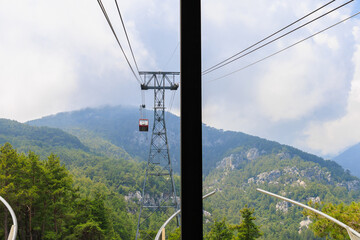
{"points": [[47, 204]]}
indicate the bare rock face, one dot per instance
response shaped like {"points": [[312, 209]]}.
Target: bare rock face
{"points": [[316, 173], [268, 177], [231, 162], [252, 154], [251, 180], [292, 171], [299, 183], [304, 224], [283, 206], [283, 155], [299, 177], [149, 200], [206, 214], [227, 162], [133, 196], [350, 185], [314, 199]]}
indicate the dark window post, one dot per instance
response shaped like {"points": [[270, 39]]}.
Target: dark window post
{"points": [[191, 120]]}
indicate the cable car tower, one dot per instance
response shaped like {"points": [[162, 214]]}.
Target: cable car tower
{"points": [[162, 198]]}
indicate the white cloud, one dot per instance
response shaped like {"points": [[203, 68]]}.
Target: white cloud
{"points": [[287, 89], [62, 56], [58, 56], [332, 136], [331, 41], [34, 80], [277, 98]]}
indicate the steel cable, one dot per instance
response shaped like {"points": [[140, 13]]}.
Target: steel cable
{"points": [[127, 37], [112, 29], [292, 45], [224, 63], [172, 55]]}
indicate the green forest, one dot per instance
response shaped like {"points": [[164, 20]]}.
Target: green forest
{"points": [[49, 204], [278, 220], [82, 180]]}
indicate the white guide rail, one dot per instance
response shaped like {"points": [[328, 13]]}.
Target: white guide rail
{"points": [[157, 237], [354, 235], [14, 227]]}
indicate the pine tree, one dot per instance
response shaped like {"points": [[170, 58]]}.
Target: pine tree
{"points": [[30, 191], [59, 188], [8, 171], [175, 235], [348, 214], [89, 231], [247, 229], [219, 231]]}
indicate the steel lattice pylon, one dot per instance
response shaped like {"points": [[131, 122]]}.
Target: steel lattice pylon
{"points": [[157, 201]]}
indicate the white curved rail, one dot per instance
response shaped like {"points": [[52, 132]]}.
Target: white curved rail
{"points": [[354, 235], [14, 227], [157, 237]]}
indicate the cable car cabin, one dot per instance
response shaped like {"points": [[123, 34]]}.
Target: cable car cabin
{"points": [[144, 125]]}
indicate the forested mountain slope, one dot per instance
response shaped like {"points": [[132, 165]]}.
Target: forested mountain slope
{"points": [[242, 171], [234, 163], [25, 137], [51, 202], [115, 125], [100, 173], [92, 156], [118, 126]]}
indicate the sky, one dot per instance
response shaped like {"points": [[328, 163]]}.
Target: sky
{"points": [[60, 56]]}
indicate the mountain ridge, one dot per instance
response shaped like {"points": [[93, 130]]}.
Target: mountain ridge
{"points": [[350, 159], [106, 123], [236, 164], [36, 136]]}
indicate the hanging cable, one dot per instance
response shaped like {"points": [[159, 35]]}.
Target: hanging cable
{"points": [[127, 37], [305, 24], [325, 29], [270, 35], [171, 104], [112, 29], [172, 100], [143, 105], [172, 55]]}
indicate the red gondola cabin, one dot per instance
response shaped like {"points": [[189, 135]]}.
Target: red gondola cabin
{"points": [[144, 125]]}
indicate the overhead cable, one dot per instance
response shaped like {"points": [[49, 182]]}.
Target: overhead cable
{"points": [[112, 29], [261, 46], [292, 45], [271, 35], [172, 100], [172, 55], [127, 37]]}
